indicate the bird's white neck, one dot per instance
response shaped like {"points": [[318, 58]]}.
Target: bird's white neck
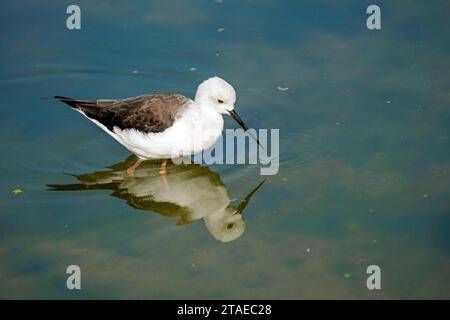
{"points": [[200, 127]]}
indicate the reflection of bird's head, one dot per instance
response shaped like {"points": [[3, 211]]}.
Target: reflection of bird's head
{"points": [[228, 224], [225, 225]]}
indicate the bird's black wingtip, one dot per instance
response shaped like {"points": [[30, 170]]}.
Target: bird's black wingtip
{"points": [[69, 101], [62, 98], [57, 98]]}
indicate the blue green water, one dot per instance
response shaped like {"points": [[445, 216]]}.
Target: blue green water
{"points": [[364, 151]]}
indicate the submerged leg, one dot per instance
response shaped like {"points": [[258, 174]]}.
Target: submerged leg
{"points": [[162, 170], [133, 168], [166, 184]]}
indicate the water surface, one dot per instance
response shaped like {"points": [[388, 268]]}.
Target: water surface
{"points": [[364, 148]]}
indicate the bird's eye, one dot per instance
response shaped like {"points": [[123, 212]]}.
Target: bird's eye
{"points": [[230, 225], [219, 101]]}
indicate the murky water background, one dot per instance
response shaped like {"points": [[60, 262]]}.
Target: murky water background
{"points": [[364, 138]]}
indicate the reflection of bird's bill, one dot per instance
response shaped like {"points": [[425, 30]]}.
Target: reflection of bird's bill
{"points": [[246, 201], [238, 119]]}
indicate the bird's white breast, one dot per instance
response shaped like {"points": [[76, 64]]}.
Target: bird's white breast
{"points": [[195, 130]]}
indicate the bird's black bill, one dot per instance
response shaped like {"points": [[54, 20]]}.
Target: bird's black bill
{"points": [[238, 119]]}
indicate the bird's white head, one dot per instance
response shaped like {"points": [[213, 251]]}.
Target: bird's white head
{"points": [[216, 93]]}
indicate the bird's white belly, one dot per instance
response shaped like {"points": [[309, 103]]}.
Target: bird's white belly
{"points": [[185, 137]]}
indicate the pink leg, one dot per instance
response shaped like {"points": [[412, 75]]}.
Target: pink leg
{"points": [[133, 168], [162, 170]]}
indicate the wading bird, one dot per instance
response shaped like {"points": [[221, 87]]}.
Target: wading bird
{"points": [[164, 126]]}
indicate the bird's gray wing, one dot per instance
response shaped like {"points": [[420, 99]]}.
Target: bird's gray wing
{"points": [[147, 113]]}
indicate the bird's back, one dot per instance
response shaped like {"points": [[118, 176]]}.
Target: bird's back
{"points": [[150, 113]]}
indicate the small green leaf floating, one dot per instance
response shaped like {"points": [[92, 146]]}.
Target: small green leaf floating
{"points": [[17, 191]]}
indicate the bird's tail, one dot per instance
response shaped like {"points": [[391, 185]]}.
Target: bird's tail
{"points": [[75, 103]]}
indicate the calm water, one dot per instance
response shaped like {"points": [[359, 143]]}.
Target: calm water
{"points": [[364, 144]]}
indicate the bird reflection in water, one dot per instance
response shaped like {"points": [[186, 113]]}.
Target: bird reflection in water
{"points": [[188, 191]]}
